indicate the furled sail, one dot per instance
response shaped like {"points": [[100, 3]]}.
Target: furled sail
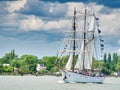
{"points": [[69, 63]]}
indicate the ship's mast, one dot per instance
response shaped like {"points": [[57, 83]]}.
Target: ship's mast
{"points": [[74, 36], [84, 38]]}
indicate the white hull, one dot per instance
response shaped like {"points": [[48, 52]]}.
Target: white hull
{"points": [[71, 77]]}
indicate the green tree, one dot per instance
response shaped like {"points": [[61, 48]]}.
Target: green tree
{"points": [[50, 62], [28, 63], [24, 69], [105, 58], [118, 66], [8, 69], [15, 63], [109, 58], [63, 61], [115, 58], [96, 64], [106, 71], [1, 69], [8, 57]]}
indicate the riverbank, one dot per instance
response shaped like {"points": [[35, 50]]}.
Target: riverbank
{"points": [[49, 74]]}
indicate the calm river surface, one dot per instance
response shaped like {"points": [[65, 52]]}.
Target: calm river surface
{"points": [[53, 83]]}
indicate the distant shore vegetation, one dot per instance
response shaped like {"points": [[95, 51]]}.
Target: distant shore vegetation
{"points": [[12, 64]]}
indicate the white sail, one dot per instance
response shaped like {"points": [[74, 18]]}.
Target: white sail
{"points": [[91, 27], [89, 47], [88, 55], [69, 63], [79, 63]]}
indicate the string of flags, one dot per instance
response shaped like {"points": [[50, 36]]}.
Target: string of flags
{"points": [[66, 46], [100, 37], [67, 43]]}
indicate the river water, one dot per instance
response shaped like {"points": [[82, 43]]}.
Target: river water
{"points": [[53, 83]]}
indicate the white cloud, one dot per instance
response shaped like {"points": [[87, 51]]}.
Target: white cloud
{"points": [[118, 51], [15, 5], [35, 23], [110, 23], [61, 24], [51, 10], [119, 41], [72, 5], [31, 23], [94, 7]]}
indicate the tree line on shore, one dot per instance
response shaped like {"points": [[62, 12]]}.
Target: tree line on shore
{"points": [[11, 63]]}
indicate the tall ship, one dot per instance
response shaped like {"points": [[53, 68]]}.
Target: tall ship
{"points": [[81, 47]]}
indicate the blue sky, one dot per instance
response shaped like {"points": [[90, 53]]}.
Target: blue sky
{"points": [[108, 3], [34, 26]]}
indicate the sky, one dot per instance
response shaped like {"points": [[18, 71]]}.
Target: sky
{"points": [[34, 26]]}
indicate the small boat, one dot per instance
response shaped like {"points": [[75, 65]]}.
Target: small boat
{"points": [[80, 47]]}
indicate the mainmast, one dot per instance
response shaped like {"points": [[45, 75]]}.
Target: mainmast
{"points": [[84, 38], [74, 36]]}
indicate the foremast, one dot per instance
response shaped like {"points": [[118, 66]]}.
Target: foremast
{"points": [[74, 36]]}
